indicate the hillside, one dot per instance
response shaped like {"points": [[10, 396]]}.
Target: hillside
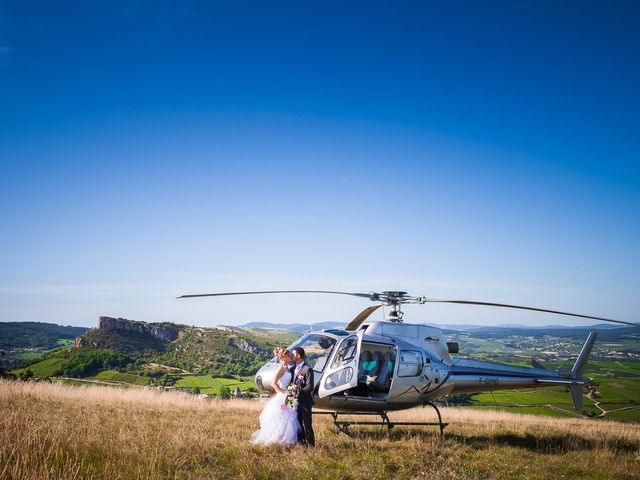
{"points": [[24, 342], [35, 334], [129, 352], [126, 434], [119, 341]]}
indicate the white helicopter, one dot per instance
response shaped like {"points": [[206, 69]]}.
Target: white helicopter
{"points": [[373, 367]]}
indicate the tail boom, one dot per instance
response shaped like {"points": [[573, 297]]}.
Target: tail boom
{"points": [[472, 376]]}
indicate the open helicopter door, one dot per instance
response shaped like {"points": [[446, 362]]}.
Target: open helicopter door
{"points": [[342, 373]]}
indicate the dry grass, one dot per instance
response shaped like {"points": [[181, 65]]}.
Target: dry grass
{"points": [[56, 431]]}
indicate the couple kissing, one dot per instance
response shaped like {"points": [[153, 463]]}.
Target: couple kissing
{"points": [[286, 418]]}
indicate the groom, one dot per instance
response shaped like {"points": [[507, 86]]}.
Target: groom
{"points": [[303, 376]]}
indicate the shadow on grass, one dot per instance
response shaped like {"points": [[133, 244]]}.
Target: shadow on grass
{"points": [[397, 434], [547, 444]]}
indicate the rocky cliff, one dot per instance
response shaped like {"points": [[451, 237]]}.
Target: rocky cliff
{"points": [[154, 332], [162, 332], [248, 347]]}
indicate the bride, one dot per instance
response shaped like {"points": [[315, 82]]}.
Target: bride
{"points": [[278, 421]]}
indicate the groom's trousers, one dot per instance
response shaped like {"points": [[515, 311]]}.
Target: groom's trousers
{"points": [[305, 435]]}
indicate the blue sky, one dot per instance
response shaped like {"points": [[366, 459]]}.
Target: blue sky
{"points": [[477, 150]]}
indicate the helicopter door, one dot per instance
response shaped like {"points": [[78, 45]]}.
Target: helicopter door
{"points": [[342, 373]]}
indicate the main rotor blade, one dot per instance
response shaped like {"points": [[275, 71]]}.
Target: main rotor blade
{"points": [[363, 295], [362, 316], [519, 307]]}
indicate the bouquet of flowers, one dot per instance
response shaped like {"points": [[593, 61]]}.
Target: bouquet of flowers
{"points": [[291, 393]]}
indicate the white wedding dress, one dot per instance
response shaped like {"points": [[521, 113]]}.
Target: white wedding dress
{"points": [[278, 422]]}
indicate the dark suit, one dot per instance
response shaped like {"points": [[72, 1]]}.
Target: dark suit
{"points": [[305, 401]]}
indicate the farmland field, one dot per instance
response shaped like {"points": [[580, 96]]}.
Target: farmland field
{"points": [[122, 377], [211, 386], [44, 368]]}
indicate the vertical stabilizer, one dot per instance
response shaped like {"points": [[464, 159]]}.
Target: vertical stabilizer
{"points": [[576, 395], [581, 362]]}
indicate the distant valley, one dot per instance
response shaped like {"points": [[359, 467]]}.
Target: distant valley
{"points": [[24, 342]]}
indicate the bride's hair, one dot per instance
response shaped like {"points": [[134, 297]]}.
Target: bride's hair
{"points": [[281, 353]]}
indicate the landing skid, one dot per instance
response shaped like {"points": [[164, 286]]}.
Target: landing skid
{"points": [[343, 425]]}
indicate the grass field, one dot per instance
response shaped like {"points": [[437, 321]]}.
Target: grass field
{"points": [[206, 383], [62, 342], [62, 432], [29, 356], [210, 385], [114, 376], [44, 368]]}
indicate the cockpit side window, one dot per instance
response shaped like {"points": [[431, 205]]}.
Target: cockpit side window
{"points": [[347, 351], [317, 348], [410, 364]]}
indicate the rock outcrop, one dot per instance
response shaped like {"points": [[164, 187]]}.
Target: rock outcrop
{"points": [[221, 351], [161, 332], [245, 346], [156, 332]]}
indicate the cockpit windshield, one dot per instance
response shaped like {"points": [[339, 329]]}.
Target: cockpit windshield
{"points": [[317, 350]]}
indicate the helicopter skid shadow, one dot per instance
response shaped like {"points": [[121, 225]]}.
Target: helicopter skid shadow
{"points": [[426, 434]]}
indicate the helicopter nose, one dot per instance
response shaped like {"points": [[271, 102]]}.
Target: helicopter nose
{"points": [[265, 376]]}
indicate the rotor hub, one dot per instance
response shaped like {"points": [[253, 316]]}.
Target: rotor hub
{"points": [[393, 299], [395, 315]]}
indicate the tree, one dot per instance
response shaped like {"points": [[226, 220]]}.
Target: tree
{"points": [[4, 373], [195, 390], [225, 392]]}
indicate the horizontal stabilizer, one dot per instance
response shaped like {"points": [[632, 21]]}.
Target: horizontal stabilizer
{"points": [[560, 381]]}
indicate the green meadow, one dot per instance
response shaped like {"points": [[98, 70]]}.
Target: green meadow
{"points": [[212, 386], [113, 376], [43, 368]]}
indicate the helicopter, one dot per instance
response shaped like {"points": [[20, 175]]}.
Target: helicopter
{"points": [[372, 367]]}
